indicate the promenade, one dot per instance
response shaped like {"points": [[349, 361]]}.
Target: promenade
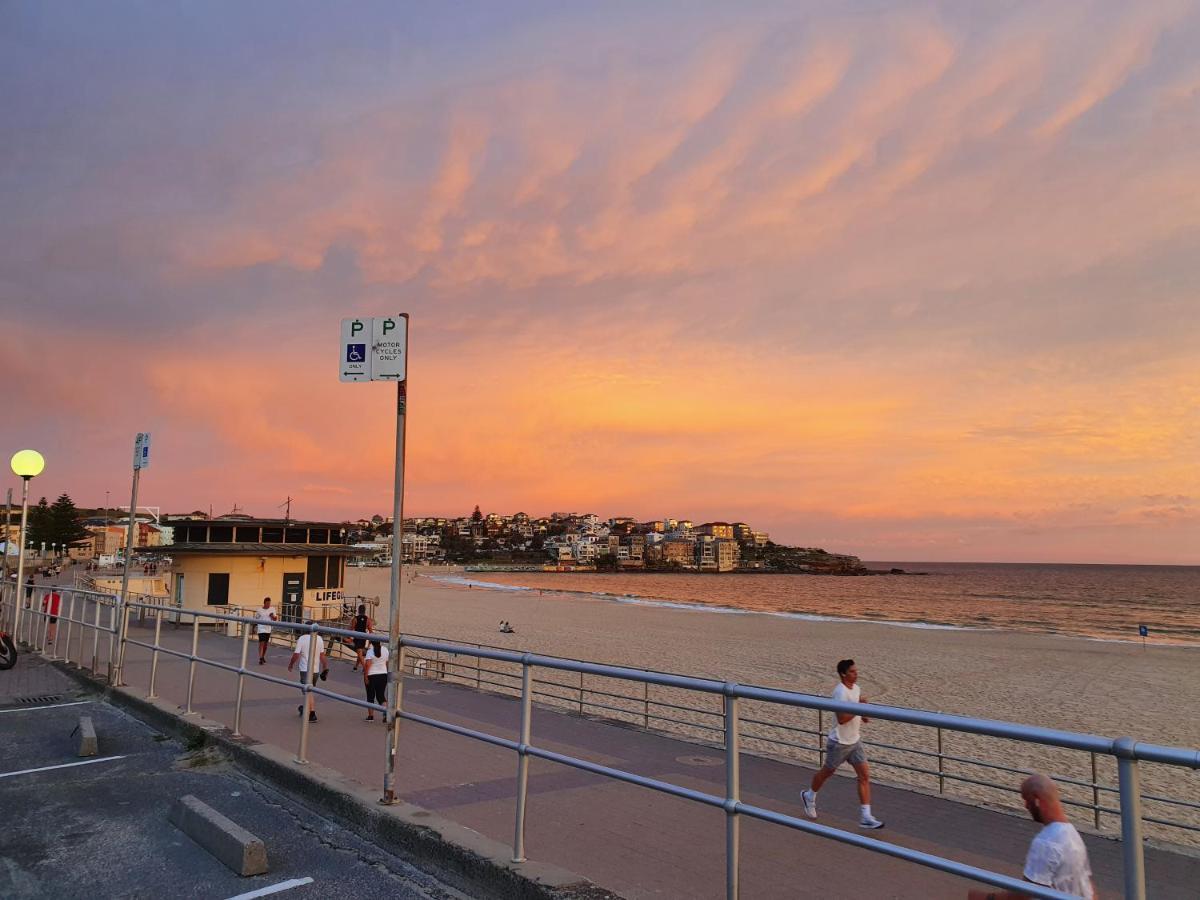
{"points": [[634, 841]]}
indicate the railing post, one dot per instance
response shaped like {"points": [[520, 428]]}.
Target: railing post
{"points": [[122, 635], [733, 793], [1095, 794], [154, 652], [192, 663], [112, 637], [1133, 860], [820, 738], [96, 636], [580, 690], [523, 760], [478, 671], [646, 705], [941, 764], [67, 640], [237, 709], [314, 660]]}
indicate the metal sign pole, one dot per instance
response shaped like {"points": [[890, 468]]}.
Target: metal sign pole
{"points": [[7, 532], [395, 670], [130, 542]]}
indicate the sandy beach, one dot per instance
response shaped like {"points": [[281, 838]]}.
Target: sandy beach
{"points": [[1105, 688]]}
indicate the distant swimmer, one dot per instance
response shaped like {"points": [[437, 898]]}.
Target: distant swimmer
{"points": [[845, 745], [1057, 857]]}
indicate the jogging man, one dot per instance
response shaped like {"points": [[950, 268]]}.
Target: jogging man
{"points": [[1057, 857], [845, 745], [300, 655], [265, 615]]}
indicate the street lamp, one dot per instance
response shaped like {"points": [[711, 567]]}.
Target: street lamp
{"points": [[28, 464]]}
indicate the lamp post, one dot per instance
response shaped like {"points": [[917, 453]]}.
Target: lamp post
{"points": [[27, 464]]}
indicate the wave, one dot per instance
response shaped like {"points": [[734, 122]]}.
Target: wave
{"points": [[636, 600]]}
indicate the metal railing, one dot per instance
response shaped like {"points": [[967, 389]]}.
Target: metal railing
{"points": [[705, 726], [1127, 752]]}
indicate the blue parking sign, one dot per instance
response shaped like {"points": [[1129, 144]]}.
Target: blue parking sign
{"points": [[356, 353]]}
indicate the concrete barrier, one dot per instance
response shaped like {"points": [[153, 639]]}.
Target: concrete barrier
{"points": [[225, 839], [88, 746]]}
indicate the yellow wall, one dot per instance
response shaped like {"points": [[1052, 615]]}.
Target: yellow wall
{"points": [[250, 579]]}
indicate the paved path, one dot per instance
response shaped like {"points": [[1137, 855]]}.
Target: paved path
{"points": [[637, 842]]}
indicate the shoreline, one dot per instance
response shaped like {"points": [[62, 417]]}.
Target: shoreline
{"points": [[462, 580]]}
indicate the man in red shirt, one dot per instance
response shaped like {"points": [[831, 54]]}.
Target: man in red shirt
{"points": [[51, 603]]}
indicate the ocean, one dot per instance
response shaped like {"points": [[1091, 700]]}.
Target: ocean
{"points": [[1093, 601]]}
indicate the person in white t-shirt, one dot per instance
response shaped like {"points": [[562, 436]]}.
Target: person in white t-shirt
{"points": [[845, 745], [300, 655], [265, 615], [375, 676], [1057, 857]]}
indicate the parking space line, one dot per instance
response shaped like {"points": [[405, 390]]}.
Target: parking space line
{"points": [[85, 762], [274, 888], [52, 706]]}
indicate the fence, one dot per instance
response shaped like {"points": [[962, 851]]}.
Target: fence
{"points": [[1127, 753]]}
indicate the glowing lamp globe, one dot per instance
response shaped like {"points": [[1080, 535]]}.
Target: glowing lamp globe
{"points": [[27, 463]]}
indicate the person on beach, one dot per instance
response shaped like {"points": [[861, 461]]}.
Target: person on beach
{"points": [[845, 745], [1057, 857], [300, 655], [265, 615], [361, 622], [375, 677]]}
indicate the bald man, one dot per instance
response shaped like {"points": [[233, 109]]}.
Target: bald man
{"points": [[1057, 857]]}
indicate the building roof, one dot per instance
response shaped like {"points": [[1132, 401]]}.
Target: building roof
{"points": [[250, 520], [233, 549]]}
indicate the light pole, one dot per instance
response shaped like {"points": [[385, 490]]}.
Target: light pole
{"points": [[27, 464]]}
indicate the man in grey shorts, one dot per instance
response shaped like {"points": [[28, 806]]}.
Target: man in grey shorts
{"points": [[845, 745]]}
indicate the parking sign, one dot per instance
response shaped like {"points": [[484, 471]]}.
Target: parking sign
{"points": [[354, 361]]}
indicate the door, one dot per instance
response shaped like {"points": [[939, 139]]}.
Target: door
{"points": [[293, 596]]}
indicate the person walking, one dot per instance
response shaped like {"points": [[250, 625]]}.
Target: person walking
{"points": [[265, 615], [300, 655], [1057, 857], [51, 604], [361, 622], [845, 745], [375, 677]]}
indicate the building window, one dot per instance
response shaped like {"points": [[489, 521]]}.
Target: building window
{"points": [[246, 535], [272, 535], [333, 578], [318, 536], [296, 536], [220, 534], [218, 588], [316, 572]]}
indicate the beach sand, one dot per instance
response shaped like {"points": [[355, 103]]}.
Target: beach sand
{"points": [[1104, 688]]}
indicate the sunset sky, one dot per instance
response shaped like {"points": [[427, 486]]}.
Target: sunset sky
{"points": [[913, 281]]}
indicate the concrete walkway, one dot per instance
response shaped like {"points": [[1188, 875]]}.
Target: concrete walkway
{"points": [[635, 841]]}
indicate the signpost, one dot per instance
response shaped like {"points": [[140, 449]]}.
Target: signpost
{"points": [[1143, 631], [141, 460], [376, 349]]}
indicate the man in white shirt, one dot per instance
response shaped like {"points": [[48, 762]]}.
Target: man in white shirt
{"points": [[1057, 857], [845, 745], [265, 615], [300, 655]]}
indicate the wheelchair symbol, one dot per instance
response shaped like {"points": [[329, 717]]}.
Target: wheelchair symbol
{"points": [[356, 353]]}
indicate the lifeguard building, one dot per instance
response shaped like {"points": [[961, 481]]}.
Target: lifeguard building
{"points": [[236, 560]]}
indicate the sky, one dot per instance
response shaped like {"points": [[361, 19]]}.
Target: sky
{"points": [[913, 281]]}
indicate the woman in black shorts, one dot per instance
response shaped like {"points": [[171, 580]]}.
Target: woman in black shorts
{"points": [[361, 622]]}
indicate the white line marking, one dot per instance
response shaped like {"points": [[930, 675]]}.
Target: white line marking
{"points": [[86, 762], [274, 889], [53, 706]]}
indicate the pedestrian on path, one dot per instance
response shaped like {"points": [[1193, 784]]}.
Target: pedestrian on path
{"points": [[361, 622], [265, 615], [1057, 857], [51, 604], [300, 655], [375, 677], [845, 745]]}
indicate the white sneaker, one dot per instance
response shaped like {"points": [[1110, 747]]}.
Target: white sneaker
{"points": [[869, 822], [809, 799]]}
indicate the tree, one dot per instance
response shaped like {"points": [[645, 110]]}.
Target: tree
{"points": [[37, 529], [65, 523], [477, 516]]}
